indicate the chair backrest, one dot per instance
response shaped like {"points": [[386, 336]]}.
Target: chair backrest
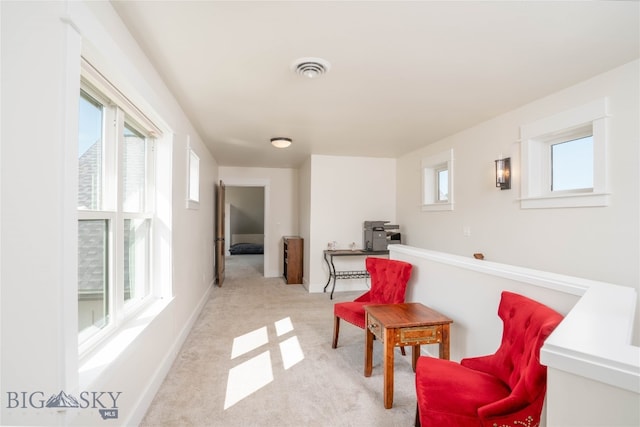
{"points": [[388, 280], [526, 325]]}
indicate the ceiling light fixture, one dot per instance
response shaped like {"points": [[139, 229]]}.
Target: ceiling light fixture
{"points": [[280, 142], [310, 67]]}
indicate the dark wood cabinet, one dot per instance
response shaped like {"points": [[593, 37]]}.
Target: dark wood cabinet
{"points": [[292, 257]]}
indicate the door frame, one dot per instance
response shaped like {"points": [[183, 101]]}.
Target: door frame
{"points": [[219, 233], [266, 184]]}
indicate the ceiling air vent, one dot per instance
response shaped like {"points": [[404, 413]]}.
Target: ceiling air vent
{"points": [[310, 67]]}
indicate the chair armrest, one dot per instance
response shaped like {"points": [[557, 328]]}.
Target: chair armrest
{"points": [[481, 363]]}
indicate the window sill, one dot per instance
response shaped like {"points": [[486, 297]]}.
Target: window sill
{"points": [[192, 204], [96, 363], [438, 207], [576, 200]]}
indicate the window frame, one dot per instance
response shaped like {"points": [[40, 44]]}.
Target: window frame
{"points": [[536, 141], [567, 138], [111, 209], [431, 167]]}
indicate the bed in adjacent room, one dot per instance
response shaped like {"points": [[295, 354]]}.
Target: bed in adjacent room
{"points": [[243, 244]]}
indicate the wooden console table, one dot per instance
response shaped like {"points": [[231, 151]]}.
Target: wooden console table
{"points": [[350, 274], [399, 325]]}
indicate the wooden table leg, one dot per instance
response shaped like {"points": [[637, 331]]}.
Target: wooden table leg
{"points": [[415, 353], [444, 345], [389, 345], [368, 348]]}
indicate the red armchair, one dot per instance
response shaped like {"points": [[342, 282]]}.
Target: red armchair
{"points": [[388, 285], [503, 389]]}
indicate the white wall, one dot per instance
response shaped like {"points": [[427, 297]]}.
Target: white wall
{"points": [[41, 47], [600, 243], [344, 192], [248, 204], [34, 203], [280, 203], [575, 401]]}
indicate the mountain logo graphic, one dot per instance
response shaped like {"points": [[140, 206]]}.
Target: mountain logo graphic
{"points": [[62, 400]]}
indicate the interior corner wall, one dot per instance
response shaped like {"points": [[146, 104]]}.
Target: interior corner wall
{"points": [[345, 192], [281, 207], [600, 243], [247, 209], [305, 215], [40, 80], [35, 71]]}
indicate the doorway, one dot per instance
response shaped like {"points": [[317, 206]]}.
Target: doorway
{"points": [[245, 235]]}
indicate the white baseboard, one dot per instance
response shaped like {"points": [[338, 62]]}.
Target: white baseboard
{"points": [[141, 407]]}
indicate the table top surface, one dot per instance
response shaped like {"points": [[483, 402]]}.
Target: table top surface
{"points": [[406, 315]]}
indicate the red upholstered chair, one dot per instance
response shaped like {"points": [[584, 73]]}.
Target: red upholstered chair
{"points": [[388, 285], [505, 389]]}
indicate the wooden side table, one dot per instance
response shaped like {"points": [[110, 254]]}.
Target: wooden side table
{"points": [[408, 324]]}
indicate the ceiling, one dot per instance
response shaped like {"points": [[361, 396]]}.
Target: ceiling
{"points": [[403, 74]]}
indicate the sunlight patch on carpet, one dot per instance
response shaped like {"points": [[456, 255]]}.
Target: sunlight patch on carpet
{"points": [[247, 378], [249, 341], [291, 352], [250, 376], [283, 326]]}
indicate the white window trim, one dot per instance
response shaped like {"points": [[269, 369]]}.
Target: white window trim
{"points": [[116, 335], [429, 168], [535, 138], [103, 85]]}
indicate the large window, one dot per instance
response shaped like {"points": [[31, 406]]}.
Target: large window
{"points": [[115, 211]]}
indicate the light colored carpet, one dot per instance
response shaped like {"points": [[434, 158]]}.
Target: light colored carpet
{"points": [[288, 378]]}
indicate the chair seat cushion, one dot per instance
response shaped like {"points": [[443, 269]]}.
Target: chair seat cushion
{"points": [[352, 312], [455, 390]]}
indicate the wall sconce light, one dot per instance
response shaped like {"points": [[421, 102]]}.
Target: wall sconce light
{"points": [[281, 142], [503, 173]]}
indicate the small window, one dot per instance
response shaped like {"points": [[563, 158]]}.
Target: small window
{"points": [[193, 180], [437, 182], [564, 159], [572, 165], [442, 174]]}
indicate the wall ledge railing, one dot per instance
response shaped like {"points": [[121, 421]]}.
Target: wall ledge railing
{"points": [[595, 338]]}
